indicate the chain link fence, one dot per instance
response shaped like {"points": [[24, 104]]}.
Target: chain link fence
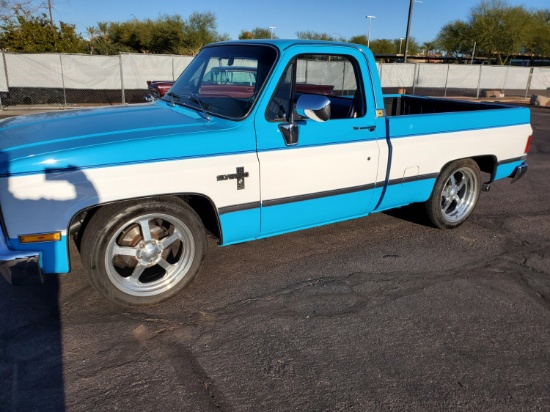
{"points": [[68, 80], [460, 80]]}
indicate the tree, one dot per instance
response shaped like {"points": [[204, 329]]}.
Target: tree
{"points": [[164, 35], [10, 9], [35, 34], [256, 33], [383, 46], [539, 39], [200, 30], [500, 30], [455, 38], [430, 48], [312, 35], [360, 39], [91, 31], [246, 35]]}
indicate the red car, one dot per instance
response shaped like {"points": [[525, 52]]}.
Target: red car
{"points": [[242, 77], [157, 89]]}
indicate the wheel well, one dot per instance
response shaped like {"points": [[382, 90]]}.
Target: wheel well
{"points": [[486, 164], [202, 206]]}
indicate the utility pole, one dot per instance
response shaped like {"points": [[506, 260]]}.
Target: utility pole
{"points": [[408, 31], [51, 24], [370, 24]]}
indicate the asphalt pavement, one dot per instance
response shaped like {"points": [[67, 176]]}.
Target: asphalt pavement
{"points": [[379, 313]]}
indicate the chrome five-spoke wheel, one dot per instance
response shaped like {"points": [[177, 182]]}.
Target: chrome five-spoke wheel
{"points": [[455, 194], [459, 195], [141, 253], [149, 254]]}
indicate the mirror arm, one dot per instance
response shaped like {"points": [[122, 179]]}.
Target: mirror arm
{"points": [[290, 132]]}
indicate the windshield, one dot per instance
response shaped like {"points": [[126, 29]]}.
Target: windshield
{"points": [[224, 80]]}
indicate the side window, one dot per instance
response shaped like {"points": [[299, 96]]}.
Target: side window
{"points": [[335, 76], [280, 105]]}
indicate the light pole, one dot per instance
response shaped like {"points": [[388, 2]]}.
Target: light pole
{"points": [[370, 24], [272, 28], [409, 29], [400, 43]]}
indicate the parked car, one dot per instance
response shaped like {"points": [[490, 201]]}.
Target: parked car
{"points": [[224, 75], [157, 89], [307, 139]]}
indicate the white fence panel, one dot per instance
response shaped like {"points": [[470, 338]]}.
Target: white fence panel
{"points": [[432, 75], [180, 63], [541, 78], [91, 72], [493, 77], [397, 75], [517, 78], [138, 68], [34, 70], [463, 77]]}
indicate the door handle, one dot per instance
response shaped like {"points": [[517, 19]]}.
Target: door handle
{"points": [[369, 128]]}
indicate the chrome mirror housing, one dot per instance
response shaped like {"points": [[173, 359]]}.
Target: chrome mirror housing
{"points": [[314, 107]]}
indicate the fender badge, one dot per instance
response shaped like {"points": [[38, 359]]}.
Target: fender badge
{"points": [[240, 176]]}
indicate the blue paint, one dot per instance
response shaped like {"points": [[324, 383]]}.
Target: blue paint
{"points": [[506, 170], [397, 195], [117, 136], [309, 213], [54, 256], [240, 226]]}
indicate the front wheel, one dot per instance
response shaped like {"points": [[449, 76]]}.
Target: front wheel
{"points": [[455, 194], [143, 252]]}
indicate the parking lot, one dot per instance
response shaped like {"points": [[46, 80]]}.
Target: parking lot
{"points": [[380, 313]]}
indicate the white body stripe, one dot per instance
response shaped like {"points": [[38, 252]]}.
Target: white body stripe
{"points": [[294, 172], [431, 152], [30, 211]]}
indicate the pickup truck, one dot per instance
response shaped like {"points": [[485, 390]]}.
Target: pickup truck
{"points": [[310, 141]]}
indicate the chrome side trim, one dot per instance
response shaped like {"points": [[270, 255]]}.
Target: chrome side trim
{"points": [[16, 266]]}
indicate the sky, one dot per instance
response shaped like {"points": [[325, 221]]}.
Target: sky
{"points": [[337, 18]]}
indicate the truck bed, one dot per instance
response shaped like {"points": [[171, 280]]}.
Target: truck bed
{"points": [[402, 104]]}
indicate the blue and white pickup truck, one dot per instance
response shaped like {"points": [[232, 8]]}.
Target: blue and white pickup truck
{"points": [[306, 139]]}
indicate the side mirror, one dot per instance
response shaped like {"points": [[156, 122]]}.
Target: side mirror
{"points": [[150, 98], [314, 107]]}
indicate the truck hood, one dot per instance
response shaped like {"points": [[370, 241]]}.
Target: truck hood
{"points": [[105, 136]]}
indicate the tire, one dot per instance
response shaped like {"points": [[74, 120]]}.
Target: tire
{"points": [[140, 253], [455, 194]]}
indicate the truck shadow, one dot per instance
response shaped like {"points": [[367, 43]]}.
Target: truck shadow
{"points": [[415, 213], [31, 367], [31, 351]]}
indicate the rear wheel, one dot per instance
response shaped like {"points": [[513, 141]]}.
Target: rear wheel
{"points": [[143, 252], [455, 194]]}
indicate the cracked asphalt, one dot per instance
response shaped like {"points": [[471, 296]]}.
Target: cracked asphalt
{"points": [[380, 313]]}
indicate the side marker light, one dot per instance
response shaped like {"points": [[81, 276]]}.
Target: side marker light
{"points": [[43, 237]]}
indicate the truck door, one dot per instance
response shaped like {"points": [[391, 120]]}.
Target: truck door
{"points": [[327, 171]]}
